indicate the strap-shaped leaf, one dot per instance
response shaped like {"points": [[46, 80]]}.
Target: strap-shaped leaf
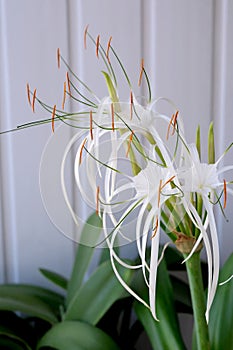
{"points": [[55, 278], [166, 333], [95, 297], [74, 335], [31, 300], [92, 228]]}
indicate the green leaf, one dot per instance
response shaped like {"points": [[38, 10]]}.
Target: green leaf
{"points": [[31, 300], [166, 333], [74, 335], [111, 88], [10, 341], [221, 312], [95, 297], [55, 278], [92, 228]]}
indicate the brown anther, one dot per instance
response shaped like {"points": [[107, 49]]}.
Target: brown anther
{"points": [[169, 126], [168, 181], [131, 105], [225, 193], [81, 151], [112, 112], [97, 46], [64, 95], [33, 100], [28, 94], [97, 199], [68, 82], [141, 72], [175, 122], [91, 125], [58, 58], [53, 117], [85, 36], [156, 227], [108, 48], [159, 192], [129, 143]]}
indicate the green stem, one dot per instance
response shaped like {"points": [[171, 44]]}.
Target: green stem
{"points": [[193, 266]]}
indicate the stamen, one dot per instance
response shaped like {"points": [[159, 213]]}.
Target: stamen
{"points": [[81, 151], [58, 58], [225, 193], [97, 46], [169, 126], [131, 105], [33, 100], [53, 116], [175, 122], [108, 48], [159, 192], [28, 94], [129, 143], [170, 180], [141, 72], [97, 199], [85, 37], [112, 111], [68, 82], [91, 125], [156, 227], [64, 96]]}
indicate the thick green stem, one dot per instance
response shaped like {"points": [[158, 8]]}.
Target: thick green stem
{"points": [[193, 266]]}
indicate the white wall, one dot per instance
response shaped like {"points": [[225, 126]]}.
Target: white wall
{"points": [[188, 51]]}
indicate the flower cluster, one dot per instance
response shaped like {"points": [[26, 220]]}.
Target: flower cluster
{"points": [[135, 167]]}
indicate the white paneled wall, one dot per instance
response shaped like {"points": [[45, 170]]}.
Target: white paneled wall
{"points": [[188, 51]]}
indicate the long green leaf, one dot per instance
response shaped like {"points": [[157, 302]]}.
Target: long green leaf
{"points": [[10, 341], [55, 278], [31, 300], [95, 297], [92, 228], [71, 335], [221, 313], [166, 333]]}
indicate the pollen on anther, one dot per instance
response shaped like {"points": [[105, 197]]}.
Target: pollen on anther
{"points": [[33, 100], [129, 143], [58, 58], [156, 227], [68, 82], [175, 122], [108, 48], [97, 199], [64, 95], [159, 192], [53, 117], [225, 193], [97, 46], [112, 112], [28, 94], [81, 151], [85, 36], [169, 125], [141, 72], [91, 125]]}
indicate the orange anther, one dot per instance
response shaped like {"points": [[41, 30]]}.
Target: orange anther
{"points": [[33, 100], [97, 45], [159, 192], [225, 193], [58, 58], [129, 143], [171, 178], [112, 112], [81, 151], [64, 96], [131, 105], [108, 48], [97, 199], [85, 36], [169, 126], [175, 122], [68, 82], [91, 125], [156, 227], [28, 94], [141, 72], [53, 117]]}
